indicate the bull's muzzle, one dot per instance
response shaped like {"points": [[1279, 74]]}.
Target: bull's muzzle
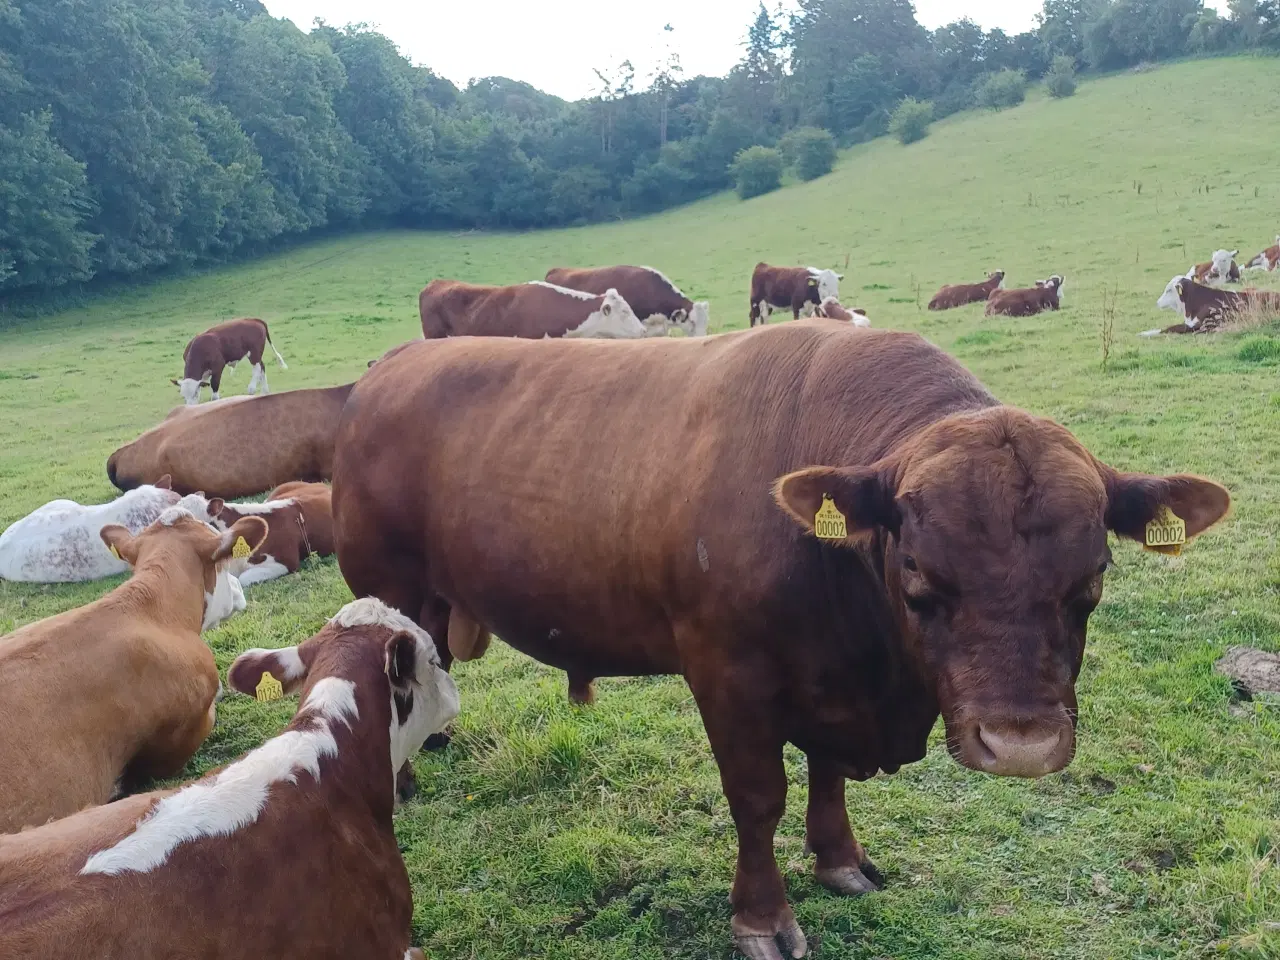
{"points": [[1017, 746]]}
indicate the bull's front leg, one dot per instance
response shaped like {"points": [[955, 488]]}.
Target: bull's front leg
{"points": [[842, 865], [747, 743]]}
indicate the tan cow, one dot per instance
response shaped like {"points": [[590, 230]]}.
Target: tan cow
{"points": [[100, 698], [534, 310], [238, 447], [289, 853], [301, 523], [209, 353], [652, 296]]}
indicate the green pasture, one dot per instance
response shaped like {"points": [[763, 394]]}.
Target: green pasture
{"points": [[546, 831]]}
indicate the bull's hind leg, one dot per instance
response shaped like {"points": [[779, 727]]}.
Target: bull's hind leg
{"points": [[582, 688], [842, 864]]}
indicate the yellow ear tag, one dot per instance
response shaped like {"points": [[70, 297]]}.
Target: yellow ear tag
{"points": [[268, 689], [1166, 533], [241, 549], [115, 553], [829, 523]]}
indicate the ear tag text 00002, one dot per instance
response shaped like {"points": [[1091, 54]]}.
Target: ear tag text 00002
{"points": [[829, 523], [1166, 533], [268, 689]]}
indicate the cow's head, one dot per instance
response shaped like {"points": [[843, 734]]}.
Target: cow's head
{"points": [[178, 540], [998, 277], [366, 642], [827, 284], [992, 529], [612, 319], [189, 389], [692, 323], [1221, 261], [1171, 299]]}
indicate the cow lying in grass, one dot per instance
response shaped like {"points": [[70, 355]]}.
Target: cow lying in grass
{"points": [[833, 309], [301, 523], [120, 690], [958, 294], [289, 852], [1268, 259], [239, 447], [658, 302], [1205, 309], [1221, 267], [1025, 302], [59, 542], [208, 354]]}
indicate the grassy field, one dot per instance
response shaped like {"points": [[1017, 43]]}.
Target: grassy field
{"points": [[549, 831]]}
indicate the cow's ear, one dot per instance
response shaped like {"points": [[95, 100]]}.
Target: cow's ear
{"points": [[400, 659], [1181, 287], [120, 542], [165, 482], [176, 383], [252, 530], [839, 276], [861, 500], [215, 507], [813, 281], [285, 666], [1133, 500]]}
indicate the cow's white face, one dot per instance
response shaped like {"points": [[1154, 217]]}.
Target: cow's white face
{"points": [[828, 283], [197, 506], [613, 320], [1222, 262], [190, 390], [1170, 300], [226, 600]]}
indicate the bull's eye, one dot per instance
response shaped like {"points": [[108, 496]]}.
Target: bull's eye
{"points": [[910, 563], [922, 606]]}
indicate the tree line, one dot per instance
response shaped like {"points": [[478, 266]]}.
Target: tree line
{"points": [[137, 135]]}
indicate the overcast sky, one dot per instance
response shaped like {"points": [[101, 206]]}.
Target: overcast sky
{"points": [[554, 44]]}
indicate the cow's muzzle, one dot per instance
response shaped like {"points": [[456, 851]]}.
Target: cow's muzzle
{"points": [[1016, 746]]}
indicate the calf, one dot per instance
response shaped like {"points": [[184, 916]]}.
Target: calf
{"points": [[1268, 259], [225, 345], [59, 542], [1221, 267], [833, 309], [958, 294], [657, 301], [795, 287], [107, 695], [534, 310], [239, 447], [300, 521], [289, 852], [1025, 302]]}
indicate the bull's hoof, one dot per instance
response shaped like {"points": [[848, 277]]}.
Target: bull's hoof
{"points": [[582, 691], [438, 741], [413, 953], [406, 784], [850, 881], [784, 940]]}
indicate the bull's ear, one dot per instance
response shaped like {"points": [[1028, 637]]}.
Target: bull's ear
{"points": [[286, 666], [863, 496], [400, 659], [176, 383], [252, 530], [165, 482], [120, 542], [1134, 498]]}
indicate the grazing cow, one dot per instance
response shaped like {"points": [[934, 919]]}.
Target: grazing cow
{"points": [[221, 346], [1025, 302], [106, 695], [800, 288], [958, 294], [1222, 267], [238, 447], [961, 547], [289, 852], [59, 542], [833, 309], [534, 310], [1268, 259], [652, 296], [300, 523], [1205, 309]]}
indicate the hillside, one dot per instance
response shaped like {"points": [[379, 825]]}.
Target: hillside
{"points": [[545, 831]]}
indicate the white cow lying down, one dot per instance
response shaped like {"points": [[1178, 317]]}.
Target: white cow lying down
{"points": [[59, 542]]}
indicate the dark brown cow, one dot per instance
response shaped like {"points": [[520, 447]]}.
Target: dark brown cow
{"points": [[222, 346], [975, 550], [958, 294], [450, 308], [289, 852], [1268, 259], [238, 447], [657, 301], [800, 288], [1025, 302], [301, 523], [1205, 308]]}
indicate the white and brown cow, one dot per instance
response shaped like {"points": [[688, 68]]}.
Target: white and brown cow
{"points": [[1221, 267], [534, 310], [301, 523], [288, 853], [955, 295], [221, 346], [657, 301], [800, 288], [833, 309], [107, 695], [1268, 259], [1205, 309], [1027, 301]]}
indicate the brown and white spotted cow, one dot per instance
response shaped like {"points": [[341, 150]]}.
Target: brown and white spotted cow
{"points": [[1027, 301], [657, 301], [534, 310], [800, 288], [1221, 267], [301, 523], [1205, 309], [1268, 259], [958, 294], [120, 690], [225, 345], [287, 853], [833, 309]]}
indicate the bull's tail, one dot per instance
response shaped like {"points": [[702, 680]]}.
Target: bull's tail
{"points": [[279, 359]]}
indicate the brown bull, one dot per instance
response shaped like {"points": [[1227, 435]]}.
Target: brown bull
{"points": [[958, 294], [657, 301], [964, 546], [208, 354], [450, 308], [238, 447]]}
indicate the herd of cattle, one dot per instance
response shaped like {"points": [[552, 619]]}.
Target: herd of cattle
{"points": [[834, 534]]}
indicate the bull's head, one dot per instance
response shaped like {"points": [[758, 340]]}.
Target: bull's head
{"points": [[190, 389], [992, 529]]}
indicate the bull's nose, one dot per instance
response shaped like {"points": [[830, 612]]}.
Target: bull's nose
{"points": [[1012, 749]]}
